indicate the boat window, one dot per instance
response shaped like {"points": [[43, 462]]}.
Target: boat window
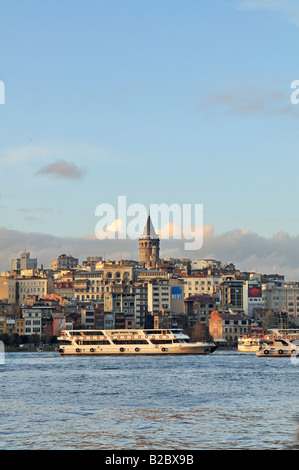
{"points": [[130, 341], [94, 342], [93, 333], [284, 343], [156, 332], [161, 341]]}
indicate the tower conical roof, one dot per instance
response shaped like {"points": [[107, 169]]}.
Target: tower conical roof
{"points": [[149, 231]]}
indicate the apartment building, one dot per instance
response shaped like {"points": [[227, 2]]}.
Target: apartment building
{"points": [[252, 296], [64, 262], [232, 293], [150, 274], [64, 289], [120, 299], [282, 299], [20, 289], [176, 296], [20, 326], [24, 262], [198, 308], [4, 288], [141, 307], [202, 263], [109, 321], [32, 321], [228, 327], [117, 271], [196, 285], [89, 286], [7, 324], [165, 295], [88, 316], [158, 297]]}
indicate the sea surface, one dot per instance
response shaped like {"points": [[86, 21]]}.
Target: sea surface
{"points": [[226, 400]]}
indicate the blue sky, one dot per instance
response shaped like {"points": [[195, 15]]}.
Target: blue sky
{"points": [[162, 101]]}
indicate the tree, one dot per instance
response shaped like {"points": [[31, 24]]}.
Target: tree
{"points": [[269, 320], [14, 339]]}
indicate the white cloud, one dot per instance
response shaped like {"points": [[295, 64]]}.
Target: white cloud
{"points": [[287, 9], [24, 154], [112, 231], [246, 249]]}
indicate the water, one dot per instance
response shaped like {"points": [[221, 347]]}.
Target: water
{"points": [[227, 400]]}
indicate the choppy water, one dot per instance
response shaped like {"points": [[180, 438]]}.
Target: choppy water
{"points": [[227, 400]]}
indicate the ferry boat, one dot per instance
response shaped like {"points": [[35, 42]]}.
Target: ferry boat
{"points": [[279, 333], [249, 343], [280, 342], [278, 348], [123, 342]]}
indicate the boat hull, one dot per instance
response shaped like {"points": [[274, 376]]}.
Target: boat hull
{"points": [[248, 348], [279, 353], [202, 348]]}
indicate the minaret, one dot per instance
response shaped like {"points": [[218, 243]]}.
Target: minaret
{"points": [[149, 245]]}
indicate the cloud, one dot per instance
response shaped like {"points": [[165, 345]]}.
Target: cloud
{"points": [[62, 169], [30, 157], [247, 250], [287, 9], [36, 209], [248, 101], [112, 231], [31, 218], [23, 155]]}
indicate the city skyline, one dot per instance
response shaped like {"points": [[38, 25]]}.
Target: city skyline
{"points": [[163, 103]]}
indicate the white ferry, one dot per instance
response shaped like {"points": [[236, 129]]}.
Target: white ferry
{"points": [[278, 348], [276, 333], [280, 343], [122, 342], [249, 343]]}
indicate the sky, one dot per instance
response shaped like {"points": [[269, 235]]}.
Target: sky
{"points": [[162, 102]]}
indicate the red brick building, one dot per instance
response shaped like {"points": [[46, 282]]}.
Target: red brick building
{"points": [[228, 327]]}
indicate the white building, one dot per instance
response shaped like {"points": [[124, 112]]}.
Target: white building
{"points": [[33, 321], [165, 295], [194, 285], [158, 297], [211, 264]]}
